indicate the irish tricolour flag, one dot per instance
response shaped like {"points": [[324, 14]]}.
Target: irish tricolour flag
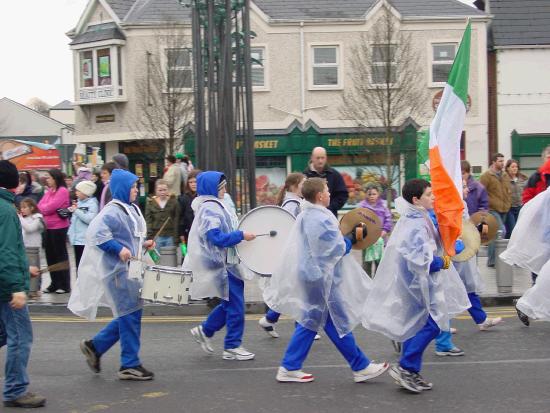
{"points": [[445, 132]]}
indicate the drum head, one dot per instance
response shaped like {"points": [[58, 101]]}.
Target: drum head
{"points": [[262, 254]]}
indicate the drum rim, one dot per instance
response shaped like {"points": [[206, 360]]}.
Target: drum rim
{"points": [[239, 226], [170, 270]]}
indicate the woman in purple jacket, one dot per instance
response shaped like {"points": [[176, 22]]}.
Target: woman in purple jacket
{"points": [[474, 193], [372, 201], [56, 197]]}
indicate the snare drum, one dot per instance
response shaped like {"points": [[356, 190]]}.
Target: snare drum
{"points": [[166, 285]]}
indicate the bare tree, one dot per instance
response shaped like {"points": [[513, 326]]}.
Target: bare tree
{"points": [[164, 89], [38, 105], [388, 84]]}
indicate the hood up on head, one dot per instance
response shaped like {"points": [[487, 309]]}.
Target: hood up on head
{"points": [[208, 182], [121, 183]]}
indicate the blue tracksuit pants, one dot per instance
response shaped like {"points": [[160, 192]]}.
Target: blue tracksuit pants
{"points": [[127, 329], [413, 348], [229, 314], [272, 316], [302, 340], [444, 341]]}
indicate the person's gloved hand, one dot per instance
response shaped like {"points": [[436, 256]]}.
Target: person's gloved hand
{"points": [[436, 265], [358, 234], [459, 246]]}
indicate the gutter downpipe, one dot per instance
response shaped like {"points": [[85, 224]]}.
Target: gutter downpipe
{"points": [[302, 73]]}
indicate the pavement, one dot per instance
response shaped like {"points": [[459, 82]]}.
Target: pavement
{"points": [[504, 370], [57, 303]]}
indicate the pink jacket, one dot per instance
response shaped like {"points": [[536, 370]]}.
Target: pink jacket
{"points": [[50, 203]]}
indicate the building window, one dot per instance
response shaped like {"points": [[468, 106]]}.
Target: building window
{"points": [[103, 67], [384, 67], [86, 69], [443, 57], [178, 62], [258, 66], [326, 66]]}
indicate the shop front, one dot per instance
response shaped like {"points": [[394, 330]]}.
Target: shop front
{"points": [[361, 157], [527, 149]]}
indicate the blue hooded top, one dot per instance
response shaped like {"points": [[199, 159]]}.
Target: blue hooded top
{"points": [[120, 184], [207, 183]]}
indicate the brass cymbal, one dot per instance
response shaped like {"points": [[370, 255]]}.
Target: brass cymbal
{"points": [[472, 240], [487, 226], [367, 217]]}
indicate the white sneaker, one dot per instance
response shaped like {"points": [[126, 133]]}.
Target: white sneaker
{"points": [[199, 336], [370, 372], [268, 327], [490, 322], [317, 337], [296, 376], [239, 353], [453, 330]]}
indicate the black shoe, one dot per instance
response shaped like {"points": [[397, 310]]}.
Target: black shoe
{"points": [[523, 317], [405, 378], [138, 373], [92, 359], [421, 383], [26, 401], [49, 290]]}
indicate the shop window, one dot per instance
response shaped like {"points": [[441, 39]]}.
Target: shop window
{"points": [[383, 60], [178, 62], [443, 55], [326, 66]]}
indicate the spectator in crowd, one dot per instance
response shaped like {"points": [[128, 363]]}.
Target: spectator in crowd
{"points": [[106, 171], [37, 189], [121, 161], [318, 168], [158, 209], [517, 185], [15, 323], [183, 168], [474, 193], [32, 223], [83, 174], [69, 181], [53, 207], [186, 212], [172, 176], [537, 183], [25, 189], [540, 180], [96, 179], [83, 211], [372, 201], [497, 184]]}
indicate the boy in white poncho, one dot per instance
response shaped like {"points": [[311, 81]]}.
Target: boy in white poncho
{"points": [[416, 291], [319, 286], [529, 247]]}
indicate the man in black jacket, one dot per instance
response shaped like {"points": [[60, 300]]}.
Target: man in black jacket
{"points": [[318, 168]]}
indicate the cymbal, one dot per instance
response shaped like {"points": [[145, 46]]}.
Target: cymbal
{"points": [[367, 217], [471, 239], [486, 224]]}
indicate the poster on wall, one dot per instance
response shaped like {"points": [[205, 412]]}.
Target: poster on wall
{"points": [[153, 170], [104, 67], [268, 183], [86, 69], [30, 155], [139, 170], [357, 177]]}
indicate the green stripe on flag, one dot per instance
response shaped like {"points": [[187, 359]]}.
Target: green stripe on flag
{"points": [[460, 72]]}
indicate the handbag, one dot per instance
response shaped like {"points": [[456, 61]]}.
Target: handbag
{"points": [[63, 213]]}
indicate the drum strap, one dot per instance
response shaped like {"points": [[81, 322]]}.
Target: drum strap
{"points": [[289, 201]]}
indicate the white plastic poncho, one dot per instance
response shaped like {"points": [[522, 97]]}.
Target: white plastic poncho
{"points": [[210, 264], [315, 278], [405, 293], [468, 270], [535, 302], [529, 245], [103, 278]]}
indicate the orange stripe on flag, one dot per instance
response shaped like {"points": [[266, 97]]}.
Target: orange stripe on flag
{"points": [[448, 203]]}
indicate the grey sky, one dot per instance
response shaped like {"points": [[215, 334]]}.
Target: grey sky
{"points": [[36, 56]]}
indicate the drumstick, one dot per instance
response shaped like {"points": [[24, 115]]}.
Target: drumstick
{"points": [[160, 230], [60, 266], [270, 233]]}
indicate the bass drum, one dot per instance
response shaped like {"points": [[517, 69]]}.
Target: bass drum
{"points": [[263, 253]]}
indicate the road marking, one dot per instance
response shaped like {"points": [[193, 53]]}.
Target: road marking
{"points": [[154, 395], [504, 312]]}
